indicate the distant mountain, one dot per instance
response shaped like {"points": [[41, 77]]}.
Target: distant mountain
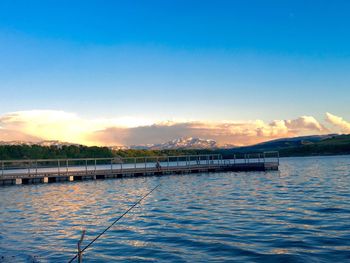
{"points": [[48, 143], [331, 144], [181, 143], [199, 143], [338, 144], [118, 147], [278, 144], [298, 146]]}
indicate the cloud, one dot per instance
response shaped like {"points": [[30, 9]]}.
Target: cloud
{"points": [[338, 122], [38, 125], [44, 124], [237, 133], [305, 123], [11, 135]]}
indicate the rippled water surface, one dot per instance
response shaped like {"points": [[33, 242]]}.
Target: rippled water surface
{"points": [[299, 214]]}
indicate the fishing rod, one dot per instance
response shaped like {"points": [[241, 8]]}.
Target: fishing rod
{"points": [[115, 221]]}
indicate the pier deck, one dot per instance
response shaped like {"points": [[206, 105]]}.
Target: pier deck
{"points": [[56, 170]]}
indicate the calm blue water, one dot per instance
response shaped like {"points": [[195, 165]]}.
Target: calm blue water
{"points": [[299, 214]]}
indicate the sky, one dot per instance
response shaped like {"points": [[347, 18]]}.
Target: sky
{"points": [[139, 72]]}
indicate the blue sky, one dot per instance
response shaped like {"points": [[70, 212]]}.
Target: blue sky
{"points": [[192, 60]]}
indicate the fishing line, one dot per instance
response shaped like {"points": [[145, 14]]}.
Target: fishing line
{"points": [[115, 221]]}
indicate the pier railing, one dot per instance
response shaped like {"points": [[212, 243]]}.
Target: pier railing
{"points": [[65, 166], [119, 164], [264, 157]]}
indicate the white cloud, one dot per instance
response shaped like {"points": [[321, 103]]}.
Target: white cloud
{"points": [[63, 126], [338, 122]]}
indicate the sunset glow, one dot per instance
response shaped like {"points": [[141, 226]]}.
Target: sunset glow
{"points": [[136, 73], [40, 125]]}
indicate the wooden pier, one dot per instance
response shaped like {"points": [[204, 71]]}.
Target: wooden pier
{"points": [[57, 170]]}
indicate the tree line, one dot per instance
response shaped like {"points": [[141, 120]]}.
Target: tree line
{"points": [[19, 152], [334, 146]]}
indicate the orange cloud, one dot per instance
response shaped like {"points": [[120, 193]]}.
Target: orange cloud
{"points": [[36, 125], [44, 124], [59, 125], [237, 133]]}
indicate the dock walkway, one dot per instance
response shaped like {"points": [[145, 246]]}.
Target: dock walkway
{"points": [[56, 170]]}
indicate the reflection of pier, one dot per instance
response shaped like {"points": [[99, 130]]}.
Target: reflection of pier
{"points": [[56, 170]]}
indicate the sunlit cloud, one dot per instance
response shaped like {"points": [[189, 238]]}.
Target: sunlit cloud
{"points": [[46, 124], [338, 122], [236, 133], [39, 125]]}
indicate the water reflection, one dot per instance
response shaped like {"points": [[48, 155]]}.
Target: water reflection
{"points": [[300, 213]]}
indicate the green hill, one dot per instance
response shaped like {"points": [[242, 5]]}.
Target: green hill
{"points": [[301, 146], [331, 146]]}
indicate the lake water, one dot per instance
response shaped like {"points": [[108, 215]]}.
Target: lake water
{"points": [[298, 214]]}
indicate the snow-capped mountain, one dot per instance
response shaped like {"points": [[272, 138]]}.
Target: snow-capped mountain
{"points": [[181, 143], [40, 143]]}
